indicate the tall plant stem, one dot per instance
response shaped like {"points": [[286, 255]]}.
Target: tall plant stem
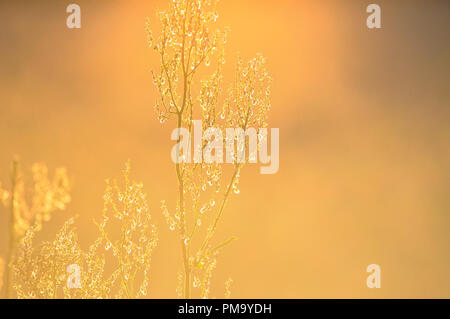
{"points": [[184, 244]]}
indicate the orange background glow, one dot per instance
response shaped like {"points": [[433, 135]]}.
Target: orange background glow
{"points": [[364, 118]]}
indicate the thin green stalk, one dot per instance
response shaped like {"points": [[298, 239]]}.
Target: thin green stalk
{"points": [[219, 215], [184, 245]]}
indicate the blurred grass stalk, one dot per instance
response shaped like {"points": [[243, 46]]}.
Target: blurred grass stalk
{"points": [[12, 237]]}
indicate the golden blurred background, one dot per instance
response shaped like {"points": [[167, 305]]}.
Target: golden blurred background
{"points": [[364, 118]]}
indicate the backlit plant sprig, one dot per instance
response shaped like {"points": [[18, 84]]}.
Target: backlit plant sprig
{"points": [[188, 42], [125, 230], [126, 211], [41, 273]]}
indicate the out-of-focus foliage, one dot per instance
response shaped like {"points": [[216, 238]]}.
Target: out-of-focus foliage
{"points": [[29, 209], [2, 270], [48, 195]]}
